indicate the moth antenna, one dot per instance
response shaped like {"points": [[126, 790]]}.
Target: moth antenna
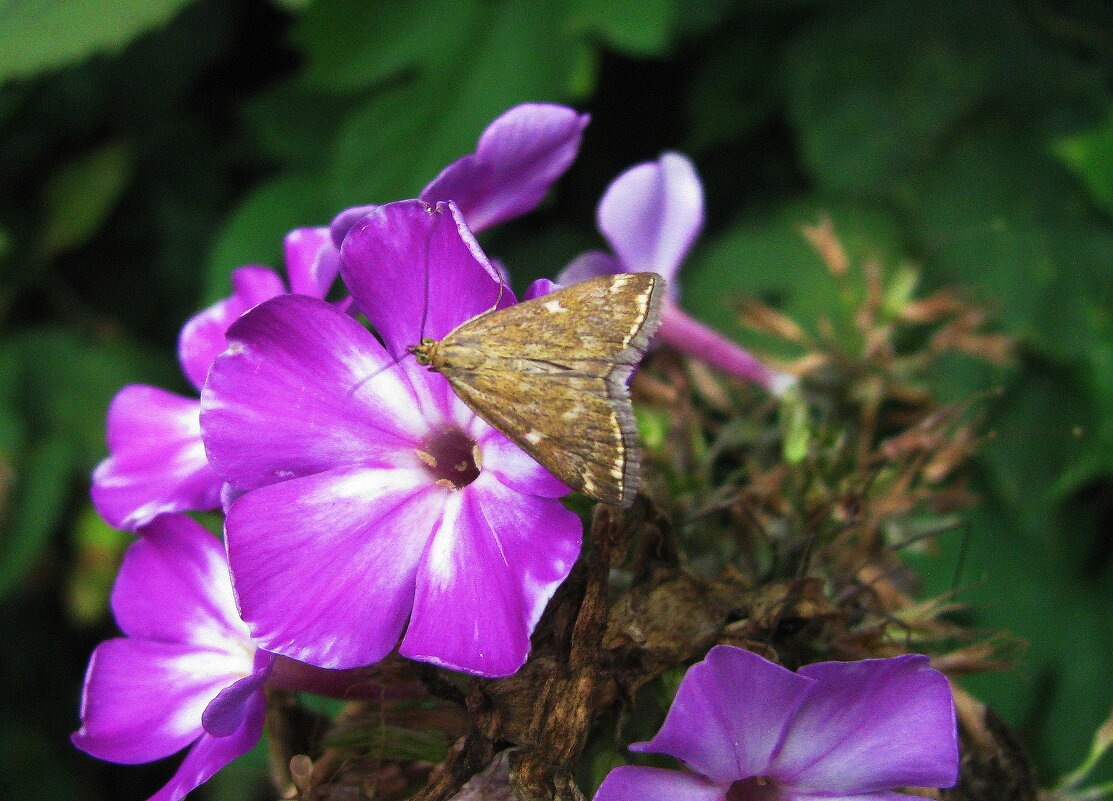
{"points": [[498, 298], [425, 287], [393, 363]]}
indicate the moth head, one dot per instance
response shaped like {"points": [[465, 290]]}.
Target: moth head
{"points": [[425, 351]]}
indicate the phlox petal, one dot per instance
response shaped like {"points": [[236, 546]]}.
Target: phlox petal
{"points": [[174, 586], [209, 754], [485, 578], [729, 715], [870, 726], [202, 337], [652, 213], [517, 469], [302, 389], [633, 783], [540, 288], [588, 265], [232, 705], [157, 462], [324, 565], [143, 699], [312, 261], [416, 271], [519, 156], [793, 795]]}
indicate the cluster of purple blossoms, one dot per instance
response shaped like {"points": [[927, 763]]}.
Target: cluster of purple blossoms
{"points": [[367, 509]]}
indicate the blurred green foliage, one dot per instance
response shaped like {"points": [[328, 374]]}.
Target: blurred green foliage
{"points": [[147, 149]]}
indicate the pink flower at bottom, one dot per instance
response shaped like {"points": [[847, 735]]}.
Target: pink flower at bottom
{"points": [[186, 673], [751, 730]]}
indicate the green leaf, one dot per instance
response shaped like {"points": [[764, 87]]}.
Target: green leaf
{"points": [[290, 122], [739, 74], [46, 34], [253, 233], [66, 383], [56, 388], [1089, 156], [1058, 688], [637, 27], [81, 194], [995, 213], [878, 87], [33, 754], [41, 487], [351, 46], [405, 135]]}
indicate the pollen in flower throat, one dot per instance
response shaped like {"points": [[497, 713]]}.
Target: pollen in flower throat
{"points": [[452, 458]]}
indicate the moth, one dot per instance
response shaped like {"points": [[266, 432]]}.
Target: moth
{"points": [[550, 373]]}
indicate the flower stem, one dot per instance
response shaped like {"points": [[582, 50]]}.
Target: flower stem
{"points": [[695, 339]]}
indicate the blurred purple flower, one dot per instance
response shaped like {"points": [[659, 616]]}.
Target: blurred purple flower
{"points": [[650, 215], [156, 460], [186, 674], [373, 500], [518, 157], [750, 730]]}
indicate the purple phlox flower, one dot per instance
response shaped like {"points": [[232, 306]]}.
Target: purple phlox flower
{"points": [[374, 502], [518, 157], [750, 730], [650, 216], [156, 460], [186, 673]]}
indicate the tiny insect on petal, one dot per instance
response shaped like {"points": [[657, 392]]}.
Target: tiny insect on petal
{"points": [[550, 373]]}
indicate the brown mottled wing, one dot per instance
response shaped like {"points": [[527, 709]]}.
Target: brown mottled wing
{"points": [[551, 373]]}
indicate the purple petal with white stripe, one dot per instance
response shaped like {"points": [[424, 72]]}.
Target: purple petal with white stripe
{"points": [[518, 157], [483, 569], [304, 388], [232, 705], [157, 461], [174, 586], [143, 699], [209, 754], [186, 663], [517, 469], [652, 213], [325, 565]]}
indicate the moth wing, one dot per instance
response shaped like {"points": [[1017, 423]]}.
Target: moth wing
{"points": [[570, 422], [609, 318], [550, 373]]}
